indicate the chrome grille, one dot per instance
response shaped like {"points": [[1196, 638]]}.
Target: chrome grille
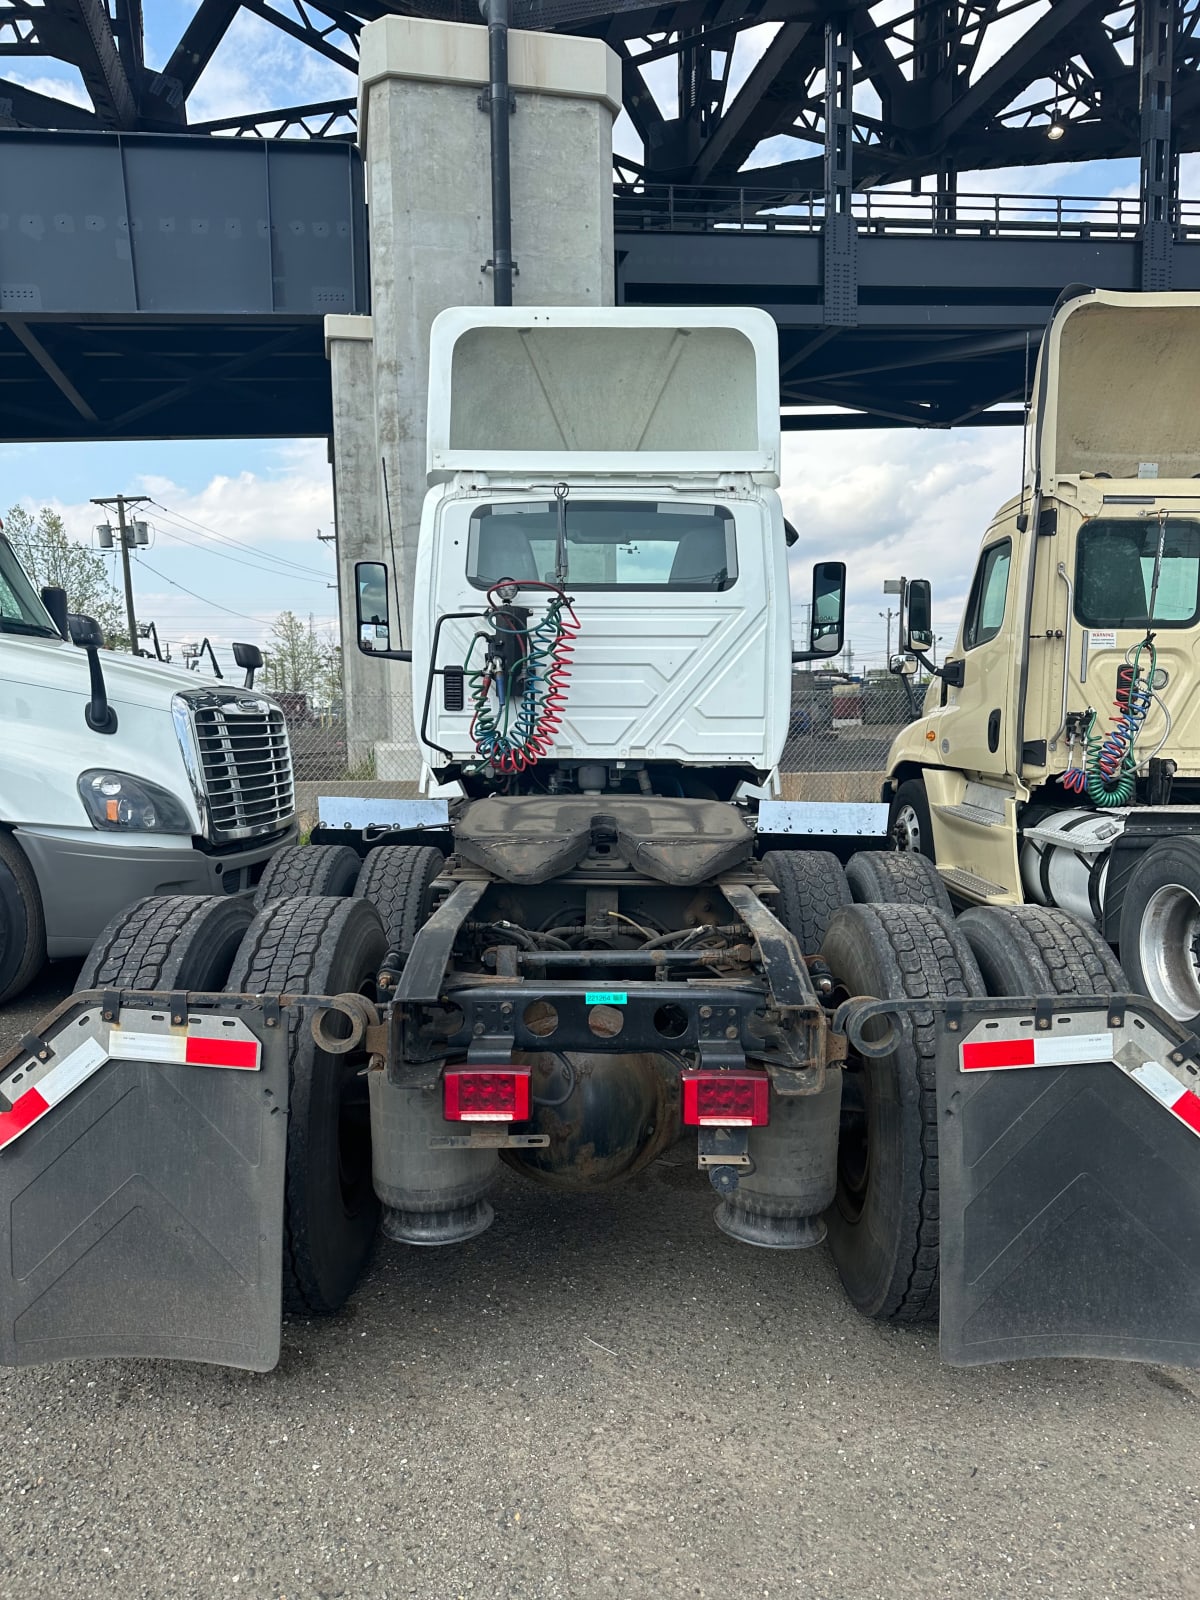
{"points": [[245, 763]]}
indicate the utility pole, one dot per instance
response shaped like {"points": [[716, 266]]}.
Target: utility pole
{"points": [[889, 614], [126, 536]]}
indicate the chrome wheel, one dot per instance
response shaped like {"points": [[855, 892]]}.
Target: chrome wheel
{"points": [[1169, 950], [906, 829]]}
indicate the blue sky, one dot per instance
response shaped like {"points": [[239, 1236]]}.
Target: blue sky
{"points": [[237, 521]]}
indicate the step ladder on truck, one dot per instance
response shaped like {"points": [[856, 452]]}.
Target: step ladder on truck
{"points": [[599, 933]]}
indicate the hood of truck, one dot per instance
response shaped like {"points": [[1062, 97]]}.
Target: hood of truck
{"points": [[128, 680], [558, 391], [1115, 391]]}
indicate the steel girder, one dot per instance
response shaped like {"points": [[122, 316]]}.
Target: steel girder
{"points": [[940, 87]]}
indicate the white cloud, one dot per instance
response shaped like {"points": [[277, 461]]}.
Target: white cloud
{"points": [[257, 509], [62, 84], [895, 503], [233, 553], [256, 66]]}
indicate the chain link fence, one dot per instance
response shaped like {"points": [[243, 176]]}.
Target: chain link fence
{"points": [[840, 733], [837, 746]]}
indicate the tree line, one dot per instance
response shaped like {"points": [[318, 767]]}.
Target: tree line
{"points": [[300, 657]]}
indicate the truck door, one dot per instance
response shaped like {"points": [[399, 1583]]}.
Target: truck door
{"points": [[972, 728]]}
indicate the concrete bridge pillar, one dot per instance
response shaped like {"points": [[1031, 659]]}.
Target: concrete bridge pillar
{"points": [[425, 139]]}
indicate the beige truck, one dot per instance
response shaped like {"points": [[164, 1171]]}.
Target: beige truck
{"points": [[1057, 758]]}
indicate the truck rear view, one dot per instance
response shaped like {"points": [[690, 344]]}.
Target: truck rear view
{"points": [[595, 936]]}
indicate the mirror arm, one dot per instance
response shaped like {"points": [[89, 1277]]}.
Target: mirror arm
{"points": [[385, 655], [951, 671], [98, 714]]}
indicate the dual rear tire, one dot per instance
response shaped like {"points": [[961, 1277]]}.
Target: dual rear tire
{"points": [[294, 944], [884, 1225]]}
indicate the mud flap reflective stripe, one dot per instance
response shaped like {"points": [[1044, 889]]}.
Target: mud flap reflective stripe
{"points": [[144, 1215], [1070, 1190]]}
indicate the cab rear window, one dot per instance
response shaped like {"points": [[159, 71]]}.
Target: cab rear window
{"points": [[609, 544], [1114, 573]]}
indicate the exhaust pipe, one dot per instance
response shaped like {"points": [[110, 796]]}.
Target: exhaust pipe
{"points": [[499, 111]]}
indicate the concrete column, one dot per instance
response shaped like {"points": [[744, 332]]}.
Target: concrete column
{"points": [[427, 151], [361, 525]]}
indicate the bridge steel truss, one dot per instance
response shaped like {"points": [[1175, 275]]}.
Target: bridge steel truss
{"points": [[927, 90], [805, 155]]}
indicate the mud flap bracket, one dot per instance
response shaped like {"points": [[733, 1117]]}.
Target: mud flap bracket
{"points": [[1070, 1193]]}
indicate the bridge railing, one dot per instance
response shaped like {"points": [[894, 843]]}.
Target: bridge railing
{"points": [[680, 208]]}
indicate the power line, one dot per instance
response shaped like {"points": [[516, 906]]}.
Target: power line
{"points": [[228, 538], [216, 604], [275, 570]]}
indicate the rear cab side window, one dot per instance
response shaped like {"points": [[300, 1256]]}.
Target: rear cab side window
{"points": [[989, 592]]}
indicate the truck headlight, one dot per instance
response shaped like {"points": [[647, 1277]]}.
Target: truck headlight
{"points": [[124, 804]]}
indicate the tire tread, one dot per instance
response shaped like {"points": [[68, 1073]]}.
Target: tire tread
{"points": [[307, 869], [812, 886], [291, 946]]}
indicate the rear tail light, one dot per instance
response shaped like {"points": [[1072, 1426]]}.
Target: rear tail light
{"points": [[486, 1094], [725, 1099]]}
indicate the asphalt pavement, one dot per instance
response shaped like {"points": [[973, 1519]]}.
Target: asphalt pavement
{"points": [[601, 1396]]}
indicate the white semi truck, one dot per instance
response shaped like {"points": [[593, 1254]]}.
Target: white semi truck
{"points": [[597, 935], [119, 778], [1057, 759]]}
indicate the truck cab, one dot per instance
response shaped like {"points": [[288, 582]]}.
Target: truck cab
{"points": [[120, 778], [1057, 759], [630, 461]]}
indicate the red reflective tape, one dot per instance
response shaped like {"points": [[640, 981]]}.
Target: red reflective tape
{"points": [[24, 1114], [997, 1053], [1187, 1109], [221, 1052]]}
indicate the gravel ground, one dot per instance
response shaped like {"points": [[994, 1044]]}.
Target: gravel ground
{"points": [[601, 1396]]}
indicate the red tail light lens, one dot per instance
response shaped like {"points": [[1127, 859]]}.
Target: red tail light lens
{"points": [[487, 1094], [725, 1099]]}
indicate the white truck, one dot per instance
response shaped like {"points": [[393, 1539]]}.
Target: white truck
{"points": [[1057, 759], [119, 778], [597, 935]]}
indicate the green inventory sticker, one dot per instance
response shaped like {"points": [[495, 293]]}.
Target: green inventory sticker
{"points": [[606, 997]]}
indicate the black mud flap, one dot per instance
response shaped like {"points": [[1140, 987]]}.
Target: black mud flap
{"points": [[1070, 1185], [142, 1199]]}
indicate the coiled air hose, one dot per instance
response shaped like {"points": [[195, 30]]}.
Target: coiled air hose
{"points": [[1109, 775], [517, 729]]}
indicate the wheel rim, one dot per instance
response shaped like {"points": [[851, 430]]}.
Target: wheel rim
{"points": [[1169, 950], [906, 826]]}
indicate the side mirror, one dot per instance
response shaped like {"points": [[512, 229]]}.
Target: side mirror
{"points": [[905, 666], [916, 628], [55, 602], [250, 658], [372, 614], [827, 619], [86, 633]]}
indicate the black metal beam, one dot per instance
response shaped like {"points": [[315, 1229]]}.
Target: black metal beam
{"points": [[81, 32], [759, 106], [25, 336], [199, 42]]}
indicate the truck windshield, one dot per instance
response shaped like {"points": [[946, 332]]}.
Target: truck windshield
{"points": [[1114, 573], [611, 544], [21, 611]]}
